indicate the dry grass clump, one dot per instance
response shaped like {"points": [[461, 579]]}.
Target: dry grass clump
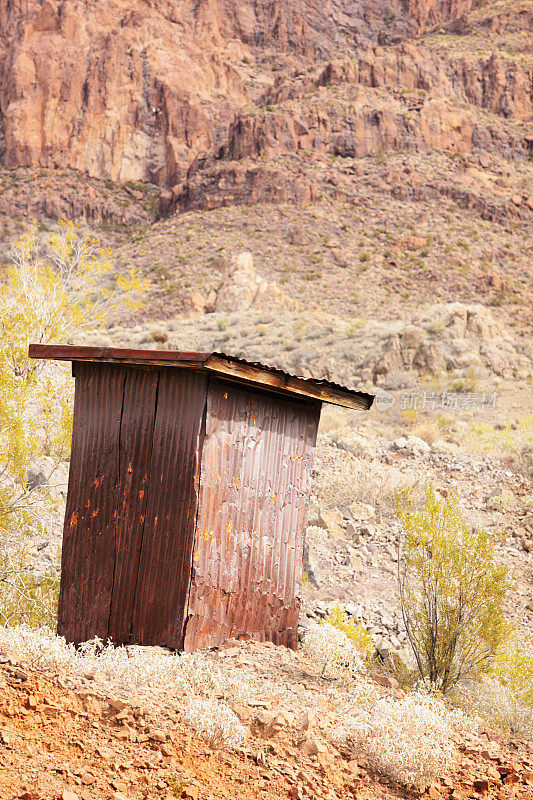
{"points": [[215, 722], [332, 418], [331, 648], [408, 740], [138, 669], [498, 705], [344, 479]]}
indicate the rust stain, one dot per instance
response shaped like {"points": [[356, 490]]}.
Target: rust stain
{"points": [[95, 513], [141, 494], [247, 564], [73, 519]]}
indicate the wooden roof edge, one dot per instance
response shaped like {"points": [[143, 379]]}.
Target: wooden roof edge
{"points": [[271, 377], [219, 364], [116, 355]]}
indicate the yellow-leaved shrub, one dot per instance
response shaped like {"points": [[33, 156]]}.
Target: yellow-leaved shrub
{"points": [[49, 291]]}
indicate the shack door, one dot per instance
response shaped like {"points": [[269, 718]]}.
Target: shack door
{"points": [[131, 503]]}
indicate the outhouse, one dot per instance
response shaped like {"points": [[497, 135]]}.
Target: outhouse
{"points": [[187, 497]]}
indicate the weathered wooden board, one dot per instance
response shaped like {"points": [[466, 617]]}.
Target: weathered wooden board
{"points": [[165, 562], [88, 539]]}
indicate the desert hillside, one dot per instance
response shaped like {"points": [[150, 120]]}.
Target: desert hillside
{"points": [[342, 190], [371, 157]]}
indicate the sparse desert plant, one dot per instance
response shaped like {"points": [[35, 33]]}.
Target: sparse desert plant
{"points": [[513, 442], [451, 591], [355, 631], [408, 740], [504, 698], [136, 668], [216, 722], [48, 290], [497, 704], [223, 323], [331, 648]]}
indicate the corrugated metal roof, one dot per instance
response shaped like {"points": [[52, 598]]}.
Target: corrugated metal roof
{"points": [[232, 368]]}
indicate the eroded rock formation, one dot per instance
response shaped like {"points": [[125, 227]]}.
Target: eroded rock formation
{"points": [[138, 91]]}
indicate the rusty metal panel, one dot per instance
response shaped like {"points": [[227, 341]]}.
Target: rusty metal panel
{"points": [[254, 494], [135, 452], [165, 561], [88, 541]]}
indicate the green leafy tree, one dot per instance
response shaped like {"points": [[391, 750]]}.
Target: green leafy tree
{"points": [[451, 591], [49, 290]]}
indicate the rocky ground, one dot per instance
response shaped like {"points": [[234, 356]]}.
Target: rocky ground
{"points": [[70, 736]]}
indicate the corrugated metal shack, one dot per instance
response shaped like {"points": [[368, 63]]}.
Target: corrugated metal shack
{"points": [[188, 496]]}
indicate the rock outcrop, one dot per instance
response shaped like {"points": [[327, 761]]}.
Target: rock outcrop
{"points": [[243, 289], [117, 90], [138, 91]]}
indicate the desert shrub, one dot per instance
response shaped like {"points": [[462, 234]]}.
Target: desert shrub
{"points": [[216, 722], [331, 648], [497, 704], [48, 291], [410, 740], [512, 442], [451, 591], [355, 631], [513, 668], [223, 323], [504, 697], [136, 669]]}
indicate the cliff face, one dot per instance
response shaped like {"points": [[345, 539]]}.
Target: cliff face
{"points": [[119, 93], [137, 91]]}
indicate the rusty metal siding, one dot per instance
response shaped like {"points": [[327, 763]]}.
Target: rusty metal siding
{"points": [[88, 537], [131, 507], [165, 562], [135, 453], [255, 480]]}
